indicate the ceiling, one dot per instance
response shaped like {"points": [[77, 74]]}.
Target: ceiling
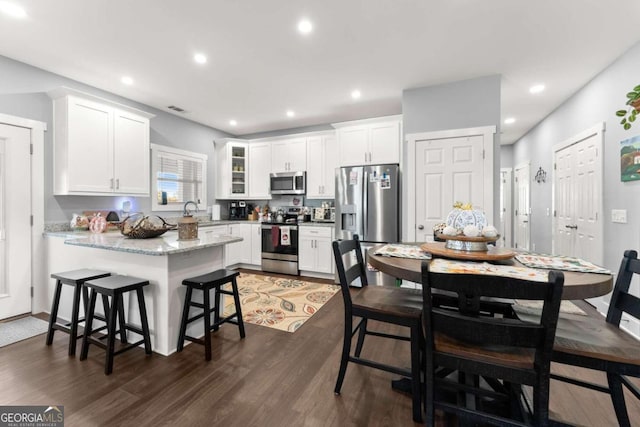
{"points": [[259, 65]]}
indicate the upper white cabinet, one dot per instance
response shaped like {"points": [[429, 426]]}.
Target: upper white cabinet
{"points": [[100, 147], [372, 141], [232, 160], [321, 164], [260, 161], [289, 155]]}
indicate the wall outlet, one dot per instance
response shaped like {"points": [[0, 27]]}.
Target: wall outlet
{"points": [[619, 216]]}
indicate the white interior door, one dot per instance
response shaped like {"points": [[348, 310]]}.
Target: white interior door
{"points": [[447, 170], [522, 182], [15, 221], [506, 203], [577, 200]]}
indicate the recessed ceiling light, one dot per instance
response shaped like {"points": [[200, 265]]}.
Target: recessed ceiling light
{"points": [[233, 122], [356, 94], [536, 88], [509, 120], [127, 80], [290, 113], [305, 26], [200, 58], [12, 10]]}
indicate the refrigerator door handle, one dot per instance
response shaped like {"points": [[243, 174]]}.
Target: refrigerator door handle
{"points": [[365, 201]]}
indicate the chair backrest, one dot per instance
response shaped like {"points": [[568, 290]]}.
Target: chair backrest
{"points": [[349, 272], [621, 300], [466, 324]]}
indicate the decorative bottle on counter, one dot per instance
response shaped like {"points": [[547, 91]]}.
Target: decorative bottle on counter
{"points": [[188, 225]]}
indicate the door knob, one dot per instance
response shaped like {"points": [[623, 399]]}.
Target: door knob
{"points": [[421, 227]]}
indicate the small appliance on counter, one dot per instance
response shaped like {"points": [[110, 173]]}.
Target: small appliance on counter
{"points": [[238, 210], [325, 213]]}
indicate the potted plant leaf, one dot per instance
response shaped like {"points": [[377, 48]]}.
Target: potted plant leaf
{"points": [[633, 109]]}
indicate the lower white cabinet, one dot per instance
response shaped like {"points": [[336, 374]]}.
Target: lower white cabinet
{"points": [[239, 252], [315, 249], [256, 244], [249, 250]]}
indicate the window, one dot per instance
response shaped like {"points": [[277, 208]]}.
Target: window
{"points": [[177, 176]]}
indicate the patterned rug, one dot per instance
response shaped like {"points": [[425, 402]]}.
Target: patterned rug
{"points": [[283, 304]]}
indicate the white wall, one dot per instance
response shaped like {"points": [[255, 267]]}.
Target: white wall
{"points": [[23, 93], [596, 102]]}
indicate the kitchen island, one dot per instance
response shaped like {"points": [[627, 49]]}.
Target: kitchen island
{"points": [[165, 261]]}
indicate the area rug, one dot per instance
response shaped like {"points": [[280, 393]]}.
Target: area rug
{"points": [[278, 303], [21, 329]]}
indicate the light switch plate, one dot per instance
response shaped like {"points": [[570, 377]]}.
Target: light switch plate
{"points": [[619, 216]]}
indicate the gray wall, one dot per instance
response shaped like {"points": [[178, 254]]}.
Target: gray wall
{"points": [[457, 105], [23, 93], [596, 102], [506, 156]]}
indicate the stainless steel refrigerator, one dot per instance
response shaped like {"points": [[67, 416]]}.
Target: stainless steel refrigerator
{"points": [[368, 204]]}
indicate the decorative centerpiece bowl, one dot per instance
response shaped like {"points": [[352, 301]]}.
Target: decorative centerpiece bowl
{"points": [[466, 243], [144, 226], [466, 229]]}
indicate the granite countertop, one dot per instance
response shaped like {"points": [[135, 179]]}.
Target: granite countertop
{"points": [[167, 244]]}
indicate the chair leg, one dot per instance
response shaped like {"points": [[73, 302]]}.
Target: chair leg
{"points": [[73, 329], [121, 320], [236, 301], [617, 398], [88, 325], [217, 308], [185, 319], [111, 330], [362, 332], [346, 349], [429, 393], [142, 307], [207, 323], [416, 332], [53, 317]]}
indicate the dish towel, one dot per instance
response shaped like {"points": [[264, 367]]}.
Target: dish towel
{"points": [[285, 236], [275, 235]]}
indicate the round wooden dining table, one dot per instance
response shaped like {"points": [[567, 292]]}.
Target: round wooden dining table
{"points": [[577, 286]]}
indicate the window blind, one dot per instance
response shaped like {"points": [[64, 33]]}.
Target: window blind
{"points": [[179, 178]]}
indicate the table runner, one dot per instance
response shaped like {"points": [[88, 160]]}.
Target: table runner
{"points": [[558, 262], [440, 265], [403, 251]]}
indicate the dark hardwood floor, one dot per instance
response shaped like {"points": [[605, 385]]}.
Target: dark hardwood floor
{"points": [[271, 378]]}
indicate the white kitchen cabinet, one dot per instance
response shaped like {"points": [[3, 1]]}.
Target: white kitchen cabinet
{"points": [[289, 155], [372, 141], [256, 244], [315, 253], [321, 164], [232, 159], [100, 147], [260, 161], [239, 252]]}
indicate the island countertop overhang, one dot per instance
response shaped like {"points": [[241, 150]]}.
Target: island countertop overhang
{"points": [[167, 244]]}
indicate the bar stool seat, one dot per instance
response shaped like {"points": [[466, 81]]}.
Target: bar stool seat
{"points": [[206, 282], [75, 278], [115, 287]]}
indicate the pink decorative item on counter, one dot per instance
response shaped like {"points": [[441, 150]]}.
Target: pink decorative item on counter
{"points": [[98, 224]]}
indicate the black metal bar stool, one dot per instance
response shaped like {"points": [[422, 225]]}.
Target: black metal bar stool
{"points": [[75, 278], [205, 283], [115, 287]]}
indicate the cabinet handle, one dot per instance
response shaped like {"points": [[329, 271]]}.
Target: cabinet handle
{"points": [[111, 185]]}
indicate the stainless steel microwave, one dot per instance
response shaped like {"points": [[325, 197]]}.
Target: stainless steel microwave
{"points": [[288, 183]]}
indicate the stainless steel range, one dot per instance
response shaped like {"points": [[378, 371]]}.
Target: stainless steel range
{"points": [[280, 247]]}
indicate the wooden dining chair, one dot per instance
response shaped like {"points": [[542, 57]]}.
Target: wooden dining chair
{"points": [[491, 357], [596, 343], [396, 306]]}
